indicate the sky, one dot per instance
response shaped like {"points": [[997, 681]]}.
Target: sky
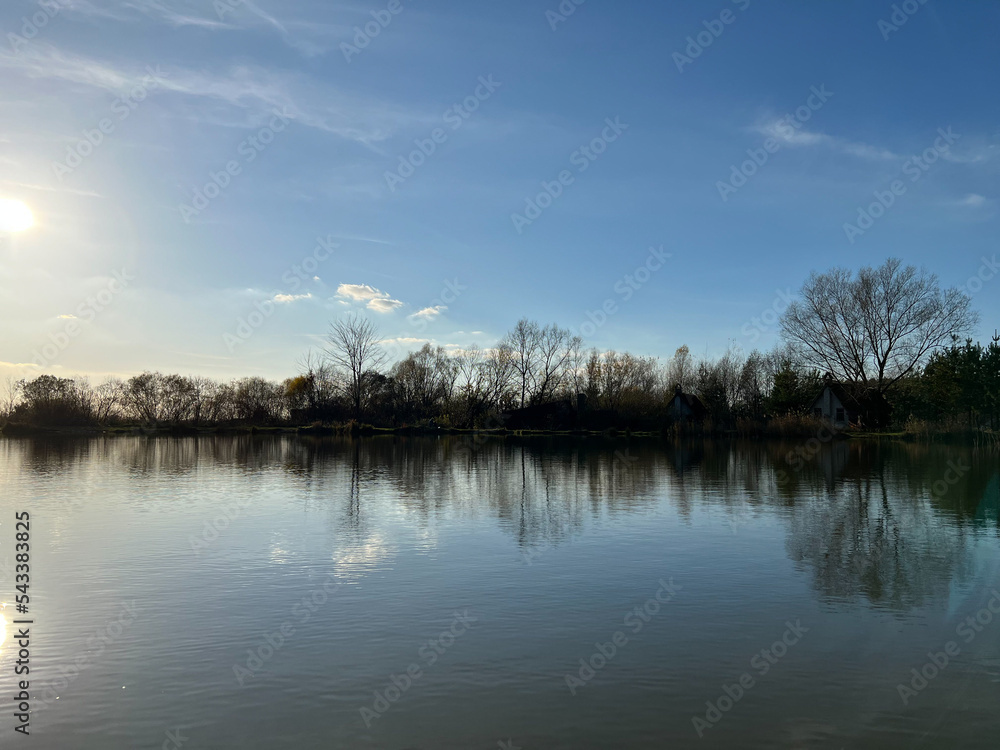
{"points": [[213, 183]]}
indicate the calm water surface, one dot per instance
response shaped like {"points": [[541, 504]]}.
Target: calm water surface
{"points": [[438, 593]]}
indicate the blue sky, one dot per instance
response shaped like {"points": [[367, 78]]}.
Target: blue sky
{"points": [[309, 129]]}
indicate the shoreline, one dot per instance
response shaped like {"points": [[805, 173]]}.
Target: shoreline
{"points": [[353, 431]]}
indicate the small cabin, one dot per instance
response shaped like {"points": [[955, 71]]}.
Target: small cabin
{"points": [[839, 406], [836, 406], [686, 407]]}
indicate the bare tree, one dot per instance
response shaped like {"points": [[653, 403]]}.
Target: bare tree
{"points": [[558, 350], [108, 398], [621, 382], [422, 381], [523, 343], [680, 370], [353, 346], [487, 377], [877, 327], [141, 396], [8, 397], [544, 359]]}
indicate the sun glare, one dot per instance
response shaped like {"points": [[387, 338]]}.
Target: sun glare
{"points": [[15, 216]]}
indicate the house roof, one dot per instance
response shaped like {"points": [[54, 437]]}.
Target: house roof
{"points": [[853, 396], [693, 402]]}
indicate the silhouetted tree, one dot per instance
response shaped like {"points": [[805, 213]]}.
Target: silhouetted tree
{"points": [[353, 346], [875, 327]]}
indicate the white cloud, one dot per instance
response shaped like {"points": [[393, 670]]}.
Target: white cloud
{"points": [[286, 298], [864, 150], [973, 200], [787, 135], [49, 188], [972, 154], [405, 340], [175, 18], [429, 313], [376, 299], [254, 91], [384, 305], [359, 292], [224, 15]]}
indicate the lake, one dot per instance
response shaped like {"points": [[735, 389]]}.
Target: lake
{"points": [[536, 593]]}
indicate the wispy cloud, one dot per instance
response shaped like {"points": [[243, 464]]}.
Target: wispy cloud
{"points": [[384, 305], [308, 38], [972, 200], [405, 341], [288, 298], [359, 292], [972, 153], [375, 299], [51, 189], [429, 313], [788, 135], [177, 18], [256, 91]]}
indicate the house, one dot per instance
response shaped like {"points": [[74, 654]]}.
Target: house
{"points": [[686, 407], [843, 405]]}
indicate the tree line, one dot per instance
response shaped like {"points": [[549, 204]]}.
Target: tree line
{"points": [[889, 331]]}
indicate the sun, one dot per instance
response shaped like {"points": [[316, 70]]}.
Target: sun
{"points": [[15, 216]]}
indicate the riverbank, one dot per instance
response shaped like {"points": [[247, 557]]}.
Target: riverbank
{"points": [[354, 429]]}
